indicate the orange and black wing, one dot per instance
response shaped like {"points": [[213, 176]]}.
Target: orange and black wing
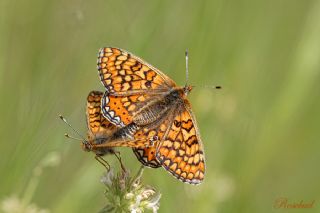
{"points": [[121, 71], [96, 122], [128, 80], [147, 155], [180, 151]]}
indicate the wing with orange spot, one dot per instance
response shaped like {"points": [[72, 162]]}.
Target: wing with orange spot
{"points": [[121, 71], [181, 151], [119, 110], [147, 155], [96, 122], [128, 80]]}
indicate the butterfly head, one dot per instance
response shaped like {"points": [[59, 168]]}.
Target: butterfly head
{"points": [[86, 146]]}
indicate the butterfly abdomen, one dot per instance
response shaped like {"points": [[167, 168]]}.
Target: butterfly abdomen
{"points": [[126, 132], [151, 113]]}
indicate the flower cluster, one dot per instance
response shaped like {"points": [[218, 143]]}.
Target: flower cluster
{"points": [[127, 194]]}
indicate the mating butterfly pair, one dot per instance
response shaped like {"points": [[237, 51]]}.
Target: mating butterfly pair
{"points": [[144, 109]]}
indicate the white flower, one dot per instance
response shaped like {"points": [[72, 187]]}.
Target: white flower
{"points": [[154, 203], [137, 197], [148, 192]]}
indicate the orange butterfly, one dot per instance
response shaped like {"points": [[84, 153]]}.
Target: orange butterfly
{"points": [[141, 95]]}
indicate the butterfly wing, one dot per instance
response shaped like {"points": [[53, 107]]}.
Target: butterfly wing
{"points": [[128, 81], [96, 122], [98, 125], [121, 71], [147, 155], [180, 151]]}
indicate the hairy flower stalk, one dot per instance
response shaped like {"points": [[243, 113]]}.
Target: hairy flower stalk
{"points": [[127, 194]]}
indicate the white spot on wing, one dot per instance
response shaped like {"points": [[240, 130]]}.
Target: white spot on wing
{"points": [[117, 119], [106, 100], [111, 113]]}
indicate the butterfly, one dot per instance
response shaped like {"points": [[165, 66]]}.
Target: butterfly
{"points": [[141, 95]]}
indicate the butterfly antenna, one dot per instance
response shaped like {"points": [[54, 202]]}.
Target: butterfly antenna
{"points": [[187, 73], [187, 67], [212, 87], [64, 120], [71, 137]]}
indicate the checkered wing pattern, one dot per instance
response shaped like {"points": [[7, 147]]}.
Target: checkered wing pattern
{"points": [[128, 80], [180, 151], [96, 122], [147, 156]]}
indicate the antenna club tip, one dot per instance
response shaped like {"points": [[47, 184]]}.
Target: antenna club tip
{"points": [[66, 135], [62, 118]]}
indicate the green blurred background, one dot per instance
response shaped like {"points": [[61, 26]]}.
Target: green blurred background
{"points": [[260, 132]]}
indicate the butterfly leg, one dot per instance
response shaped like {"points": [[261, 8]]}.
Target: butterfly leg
{"points": [[118, 156], [134, 143], [103, 162]]}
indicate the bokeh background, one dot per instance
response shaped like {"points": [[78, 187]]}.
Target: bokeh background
{"points": [[260, 132]]}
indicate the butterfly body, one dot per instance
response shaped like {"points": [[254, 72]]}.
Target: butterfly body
{"points": [[125, 133]]}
